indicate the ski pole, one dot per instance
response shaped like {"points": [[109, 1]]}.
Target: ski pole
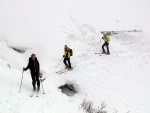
{"points": [[21, 82], [98, 44], [42, 86], [59, 62]]}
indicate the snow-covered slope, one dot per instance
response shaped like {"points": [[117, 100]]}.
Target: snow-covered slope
{"points": [[43, 27]]}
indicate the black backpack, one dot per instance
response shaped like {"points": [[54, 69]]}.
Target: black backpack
{"points": [[71, 52]]}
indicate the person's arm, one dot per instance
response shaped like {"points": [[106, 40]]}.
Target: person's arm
{"points": [[38, 66], [69, 53], [40, 75], [24, 69], [28, 65], [64, 53]]}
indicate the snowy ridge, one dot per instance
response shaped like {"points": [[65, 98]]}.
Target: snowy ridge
{"points": [[117, 79]]}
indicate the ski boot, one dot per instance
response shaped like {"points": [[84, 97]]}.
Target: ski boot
{"points": [[70, 68], [103, 52], [107, 53], [66, 67]]}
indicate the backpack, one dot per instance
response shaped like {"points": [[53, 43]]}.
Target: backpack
{"points": [[71, 52], [108, 38]]}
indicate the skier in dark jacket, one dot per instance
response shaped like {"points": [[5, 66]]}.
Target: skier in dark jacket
{"points": [[34, 67]]}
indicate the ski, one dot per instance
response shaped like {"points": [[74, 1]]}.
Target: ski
{"points": [[103, 54], [32, 94], [64, 71], [100, 54], [60, 71]]}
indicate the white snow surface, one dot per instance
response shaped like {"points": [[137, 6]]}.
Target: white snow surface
{"points": [[43, 27]]}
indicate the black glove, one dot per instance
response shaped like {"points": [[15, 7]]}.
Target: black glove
{"points": [[40, 76], [24, 69], [102, 37], [63, 55]]}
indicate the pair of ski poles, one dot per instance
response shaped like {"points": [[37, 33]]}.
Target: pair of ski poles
{"points": [[21, 84]]}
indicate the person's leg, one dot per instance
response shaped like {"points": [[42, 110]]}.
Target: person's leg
{"points": [[65, 62], [103, 47], [33, 80], [69, 62], [38, 81], [107, 45]]}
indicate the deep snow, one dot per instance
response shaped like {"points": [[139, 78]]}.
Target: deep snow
{"points": [[43, 27]]}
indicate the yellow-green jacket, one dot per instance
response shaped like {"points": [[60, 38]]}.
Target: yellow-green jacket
{"points": [[67, 53], [106, 38]]}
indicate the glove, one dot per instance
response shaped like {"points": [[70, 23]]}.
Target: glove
{"points": [[102, 37], [24, 69], [63, 55], [40, 76]]}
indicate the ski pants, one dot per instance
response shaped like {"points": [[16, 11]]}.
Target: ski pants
{"points": [[68, 60], [35, 78], [107, 45]]}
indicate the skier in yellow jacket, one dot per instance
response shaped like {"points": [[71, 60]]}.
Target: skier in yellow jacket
{"points": [[106, 39], [66, 56]]}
